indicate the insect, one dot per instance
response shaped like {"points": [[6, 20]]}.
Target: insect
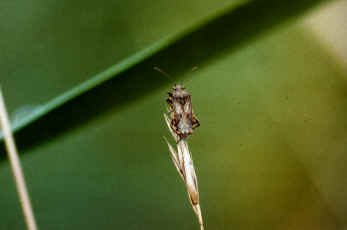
{"points": [[183, 119]]}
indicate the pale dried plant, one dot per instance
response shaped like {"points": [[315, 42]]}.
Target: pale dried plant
{"points": [[16, 167], [185, 167]]}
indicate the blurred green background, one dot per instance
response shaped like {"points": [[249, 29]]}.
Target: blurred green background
{"points": [[269, 91]]}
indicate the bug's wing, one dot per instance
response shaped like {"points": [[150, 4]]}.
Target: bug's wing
{"points": [[188, 105], [177, 107]]}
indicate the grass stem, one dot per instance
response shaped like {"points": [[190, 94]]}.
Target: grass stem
{"points": [[16, 167]]}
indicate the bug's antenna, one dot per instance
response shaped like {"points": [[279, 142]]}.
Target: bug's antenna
{"points": [[195, 68], [162, 72]]}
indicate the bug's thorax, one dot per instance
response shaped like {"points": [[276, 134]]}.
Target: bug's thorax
{"points": [[180, 94]]}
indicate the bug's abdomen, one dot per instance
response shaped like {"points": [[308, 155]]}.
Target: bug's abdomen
{"points": [[185, 125]]}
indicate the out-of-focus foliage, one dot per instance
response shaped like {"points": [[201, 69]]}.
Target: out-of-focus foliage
{"points": [[270, 151]]}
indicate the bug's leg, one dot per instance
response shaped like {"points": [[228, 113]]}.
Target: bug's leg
{"points": [[174, 127], [169, 100], [195, 122], [180, 135], [171, 107], [174, 123], [170, 114]]}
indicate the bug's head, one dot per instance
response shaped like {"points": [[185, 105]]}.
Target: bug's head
{"points": [[178, 87]]}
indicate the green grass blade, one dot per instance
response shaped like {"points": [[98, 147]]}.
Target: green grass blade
{"points": [[197, 44]]}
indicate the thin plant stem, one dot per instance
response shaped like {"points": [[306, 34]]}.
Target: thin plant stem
{"points": [[16, 167], [185, 167]]}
